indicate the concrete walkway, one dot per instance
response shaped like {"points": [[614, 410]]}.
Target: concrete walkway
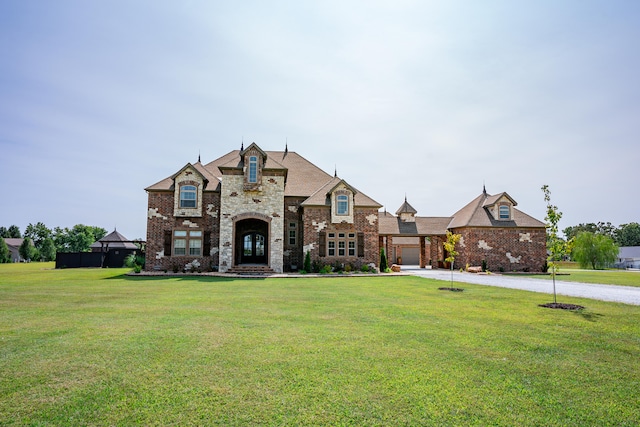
{"points": [[624, 294]]}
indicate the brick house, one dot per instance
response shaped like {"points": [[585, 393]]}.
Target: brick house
{"points": [[491, 228], [255, 210]]}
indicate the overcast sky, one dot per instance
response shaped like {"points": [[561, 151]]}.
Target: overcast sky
{"points": [[431, 99]]}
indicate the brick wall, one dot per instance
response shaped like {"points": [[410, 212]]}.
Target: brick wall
{"points": [[317, 220], [293, 255], [504, 249], [160, 220]]}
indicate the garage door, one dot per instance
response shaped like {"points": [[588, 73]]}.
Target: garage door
{"points": [[410, 256]]}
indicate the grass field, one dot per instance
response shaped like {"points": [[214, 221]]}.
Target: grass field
{"points": [[96, 347], [607, 277]]}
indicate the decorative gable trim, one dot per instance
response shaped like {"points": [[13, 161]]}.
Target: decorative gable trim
{"points": [[253, 161], [188, 176], [342, 203], [500, 207]]}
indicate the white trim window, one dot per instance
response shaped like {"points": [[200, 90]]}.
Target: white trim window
{"points": [[183, 239], [504, 212], [188, 196], [253, 169], [342, 204], [341, 244]]}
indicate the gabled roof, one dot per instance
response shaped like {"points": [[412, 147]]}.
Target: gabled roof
{"points": [[303, 177], [269, 164], [211, 181], [492, 200], [476, 214], [14, 242], [254, 146], [321, 197], [406, 208], [389, 224], [114, 240]]}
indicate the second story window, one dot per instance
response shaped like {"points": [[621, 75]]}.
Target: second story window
{"points": [[253, 169], [188, 196], [342, 207], [504, 212]]}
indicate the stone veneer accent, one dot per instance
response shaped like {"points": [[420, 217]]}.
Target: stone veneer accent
{"points": [[161, 222], [503, 248], [189, 176], [317, 220], [236, 202]]}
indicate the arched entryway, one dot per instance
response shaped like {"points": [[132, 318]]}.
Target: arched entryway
{"points": [[252, 242]]}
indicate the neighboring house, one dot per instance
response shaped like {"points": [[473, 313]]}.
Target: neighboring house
{"points": [[258, 210], [255, 210], [629, 257], [14, 248]]}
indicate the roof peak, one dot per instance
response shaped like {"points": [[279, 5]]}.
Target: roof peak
{"points": [[406, 208]]}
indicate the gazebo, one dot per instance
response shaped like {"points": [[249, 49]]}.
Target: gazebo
{"points": [[114, 248]]}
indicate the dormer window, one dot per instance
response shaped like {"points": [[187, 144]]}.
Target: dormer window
{"points": [[188, 196], [504, 212], [342, 204], [253, 169]]}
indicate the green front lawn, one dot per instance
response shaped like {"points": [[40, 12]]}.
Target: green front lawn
{"points": [[95, 347], [605, 277]]}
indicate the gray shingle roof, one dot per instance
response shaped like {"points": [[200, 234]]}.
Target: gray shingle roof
{"points": [[423, 226], [303, 177], [320, 197], [406, 208], [167, 183], [476, 214], [114, 240]]}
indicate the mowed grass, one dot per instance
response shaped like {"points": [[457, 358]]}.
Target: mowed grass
{"points": [[95, 347], [605, 277]]}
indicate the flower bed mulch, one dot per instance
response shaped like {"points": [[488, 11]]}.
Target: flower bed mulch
{"points": [[562, 306], [451, 289]]}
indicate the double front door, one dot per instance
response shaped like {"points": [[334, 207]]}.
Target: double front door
{"points": [[253, 248]]}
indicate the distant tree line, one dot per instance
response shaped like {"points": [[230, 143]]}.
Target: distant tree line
{"points": [[596, 245], [624, 235], [42, 243]]}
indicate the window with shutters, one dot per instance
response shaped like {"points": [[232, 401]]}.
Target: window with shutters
{"points": [[341, 244], [187, 242]]}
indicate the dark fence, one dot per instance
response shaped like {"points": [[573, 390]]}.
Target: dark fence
{"points": [[78, 259], [114, 258]]}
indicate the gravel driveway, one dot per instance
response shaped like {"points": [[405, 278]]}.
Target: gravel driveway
{"points": [[625, 294]]}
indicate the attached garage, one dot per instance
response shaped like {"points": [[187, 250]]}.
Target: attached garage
{"points": [[410, 256]]}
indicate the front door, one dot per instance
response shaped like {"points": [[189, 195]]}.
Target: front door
{"points": [[253, 249]]}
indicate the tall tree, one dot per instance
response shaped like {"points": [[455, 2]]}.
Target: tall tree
{"points": [[77, 239], [594, 250], [26, 250], [38, 233], [48, 250], [556, 246], [5, 254], [628, 234], [13, 232]]}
